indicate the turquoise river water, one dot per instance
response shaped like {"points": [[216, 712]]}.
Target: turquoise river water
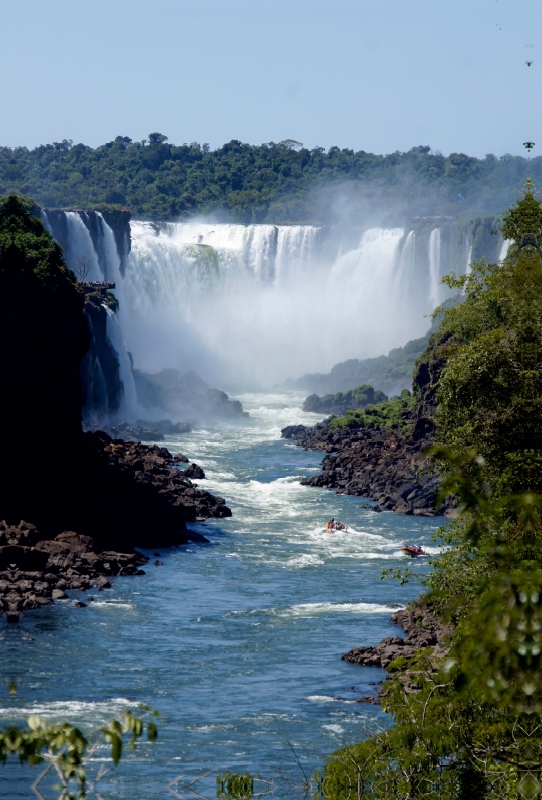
{"points": [[236, 643]]}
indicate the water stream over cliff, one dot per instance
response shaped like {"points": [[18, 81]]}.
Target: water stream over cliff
{"points": [[238, 642], [249, 305]]}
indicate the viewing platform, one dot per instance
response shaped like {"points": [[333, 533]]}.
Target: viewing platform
{"points": [[97, 286]]}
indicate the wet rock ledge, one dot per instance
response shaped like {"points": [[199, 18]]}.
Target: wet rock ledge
{"points": [[422, 629]]}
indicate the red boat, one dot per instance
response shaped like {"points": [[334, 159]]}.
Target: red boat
{"points": [[413, 550]]}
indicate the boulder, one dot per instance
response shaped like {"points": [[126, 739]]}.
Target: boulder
{"points": [[193, 471]]}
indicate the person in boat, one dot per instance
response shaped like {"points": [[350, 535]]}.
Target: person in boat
{"points": [[339, 526], [330, 527]]}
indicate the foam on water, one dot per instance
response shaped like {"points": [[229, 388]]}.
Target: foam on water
{"points": [[237, 643], [72, 710]]}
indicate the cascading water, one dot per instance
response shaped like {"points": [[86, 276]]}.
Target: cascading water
{"points": [[434, 267], [91, 252], [253, 304], [257, 303], [468, 267], [504, 249]]}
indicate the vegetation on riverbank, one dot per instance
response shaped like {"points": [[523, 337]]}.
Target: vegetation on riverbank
{"points": [[468, 726], [389, 413], [274, 182]]}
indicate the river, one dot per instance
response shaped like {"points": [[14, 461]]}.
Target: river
{"points": [[237, 643]]}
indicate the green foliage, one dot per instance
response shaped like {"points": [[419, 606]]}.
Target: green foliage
{"points": [[273, 182], [67, 750], [360, 396], [444, 745], [234, 786], [469, 725], [389, 413]]}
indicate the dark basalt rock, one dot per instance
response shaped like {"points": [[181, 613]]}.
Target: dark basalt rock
{"points": [[135, 433], [167, 427], [40, 571], [422, 629], [293, 431], [193, 471], [385, 464], [380, 463]]}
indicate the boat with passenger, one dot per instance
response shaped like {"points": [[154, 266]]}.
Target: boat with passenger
{"points": [[413, 550]]}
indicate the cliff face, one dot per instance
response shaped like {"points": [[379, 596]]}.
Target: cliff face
{"points": [[100, 369], [54, 476], [43, 331]]}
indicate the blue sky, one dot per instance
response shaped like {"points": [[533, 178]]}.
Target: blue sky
{"points": [[377, 76]]}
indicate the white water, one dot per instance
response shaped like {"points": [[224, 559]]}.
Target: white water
{"points": [[434, 267], [504, 249], [255, 304], [468, 267], [80, 247], [251, 305]]}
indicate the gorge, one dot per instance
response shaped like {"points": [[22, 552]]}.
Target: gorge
{"points": [[250, 592], [189, 292]]}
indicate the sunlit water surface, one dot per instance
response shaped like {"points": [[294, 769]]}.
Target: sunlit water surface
{"points": [[237, 643]]}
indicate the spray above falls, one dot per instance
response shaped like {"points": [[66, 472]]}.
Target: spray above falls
{"points": [[247, 305]]}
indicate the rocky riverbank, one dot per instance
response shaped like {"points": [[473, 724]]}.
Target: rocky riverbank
{"points": [[35, 571], [382, 464], [423, 630], [154, 467], [38, 567]]}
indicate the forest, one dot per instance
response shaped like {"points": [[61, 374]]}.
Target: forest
{"points": [[280, 182]]}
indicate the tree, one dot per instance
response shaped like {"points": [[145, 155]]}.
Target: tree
{"points": [[157, 138]]}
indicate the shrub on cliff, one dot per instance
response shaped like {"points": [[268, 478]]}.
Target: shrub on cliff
{"points": [[389, 413]]}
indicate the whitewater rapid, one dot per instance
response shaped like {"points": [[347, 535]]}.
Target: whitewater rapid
{"points": [[238, 642]]}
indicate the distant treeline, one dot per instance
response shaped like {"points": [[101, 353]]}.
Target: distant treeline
{"points": [[280, 182]]}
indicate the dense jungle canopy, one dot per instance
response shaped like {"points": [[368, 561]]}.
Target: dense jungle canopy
{"points": [[280, 182]]}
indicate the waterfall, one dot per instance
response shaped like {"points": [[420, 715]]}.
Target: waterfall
{"points": [[434, 267], [468, 266], [80, 251], [243, 305], [256, 303], [405, 273], [504, 249], [128, 404], [91, 252]]}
